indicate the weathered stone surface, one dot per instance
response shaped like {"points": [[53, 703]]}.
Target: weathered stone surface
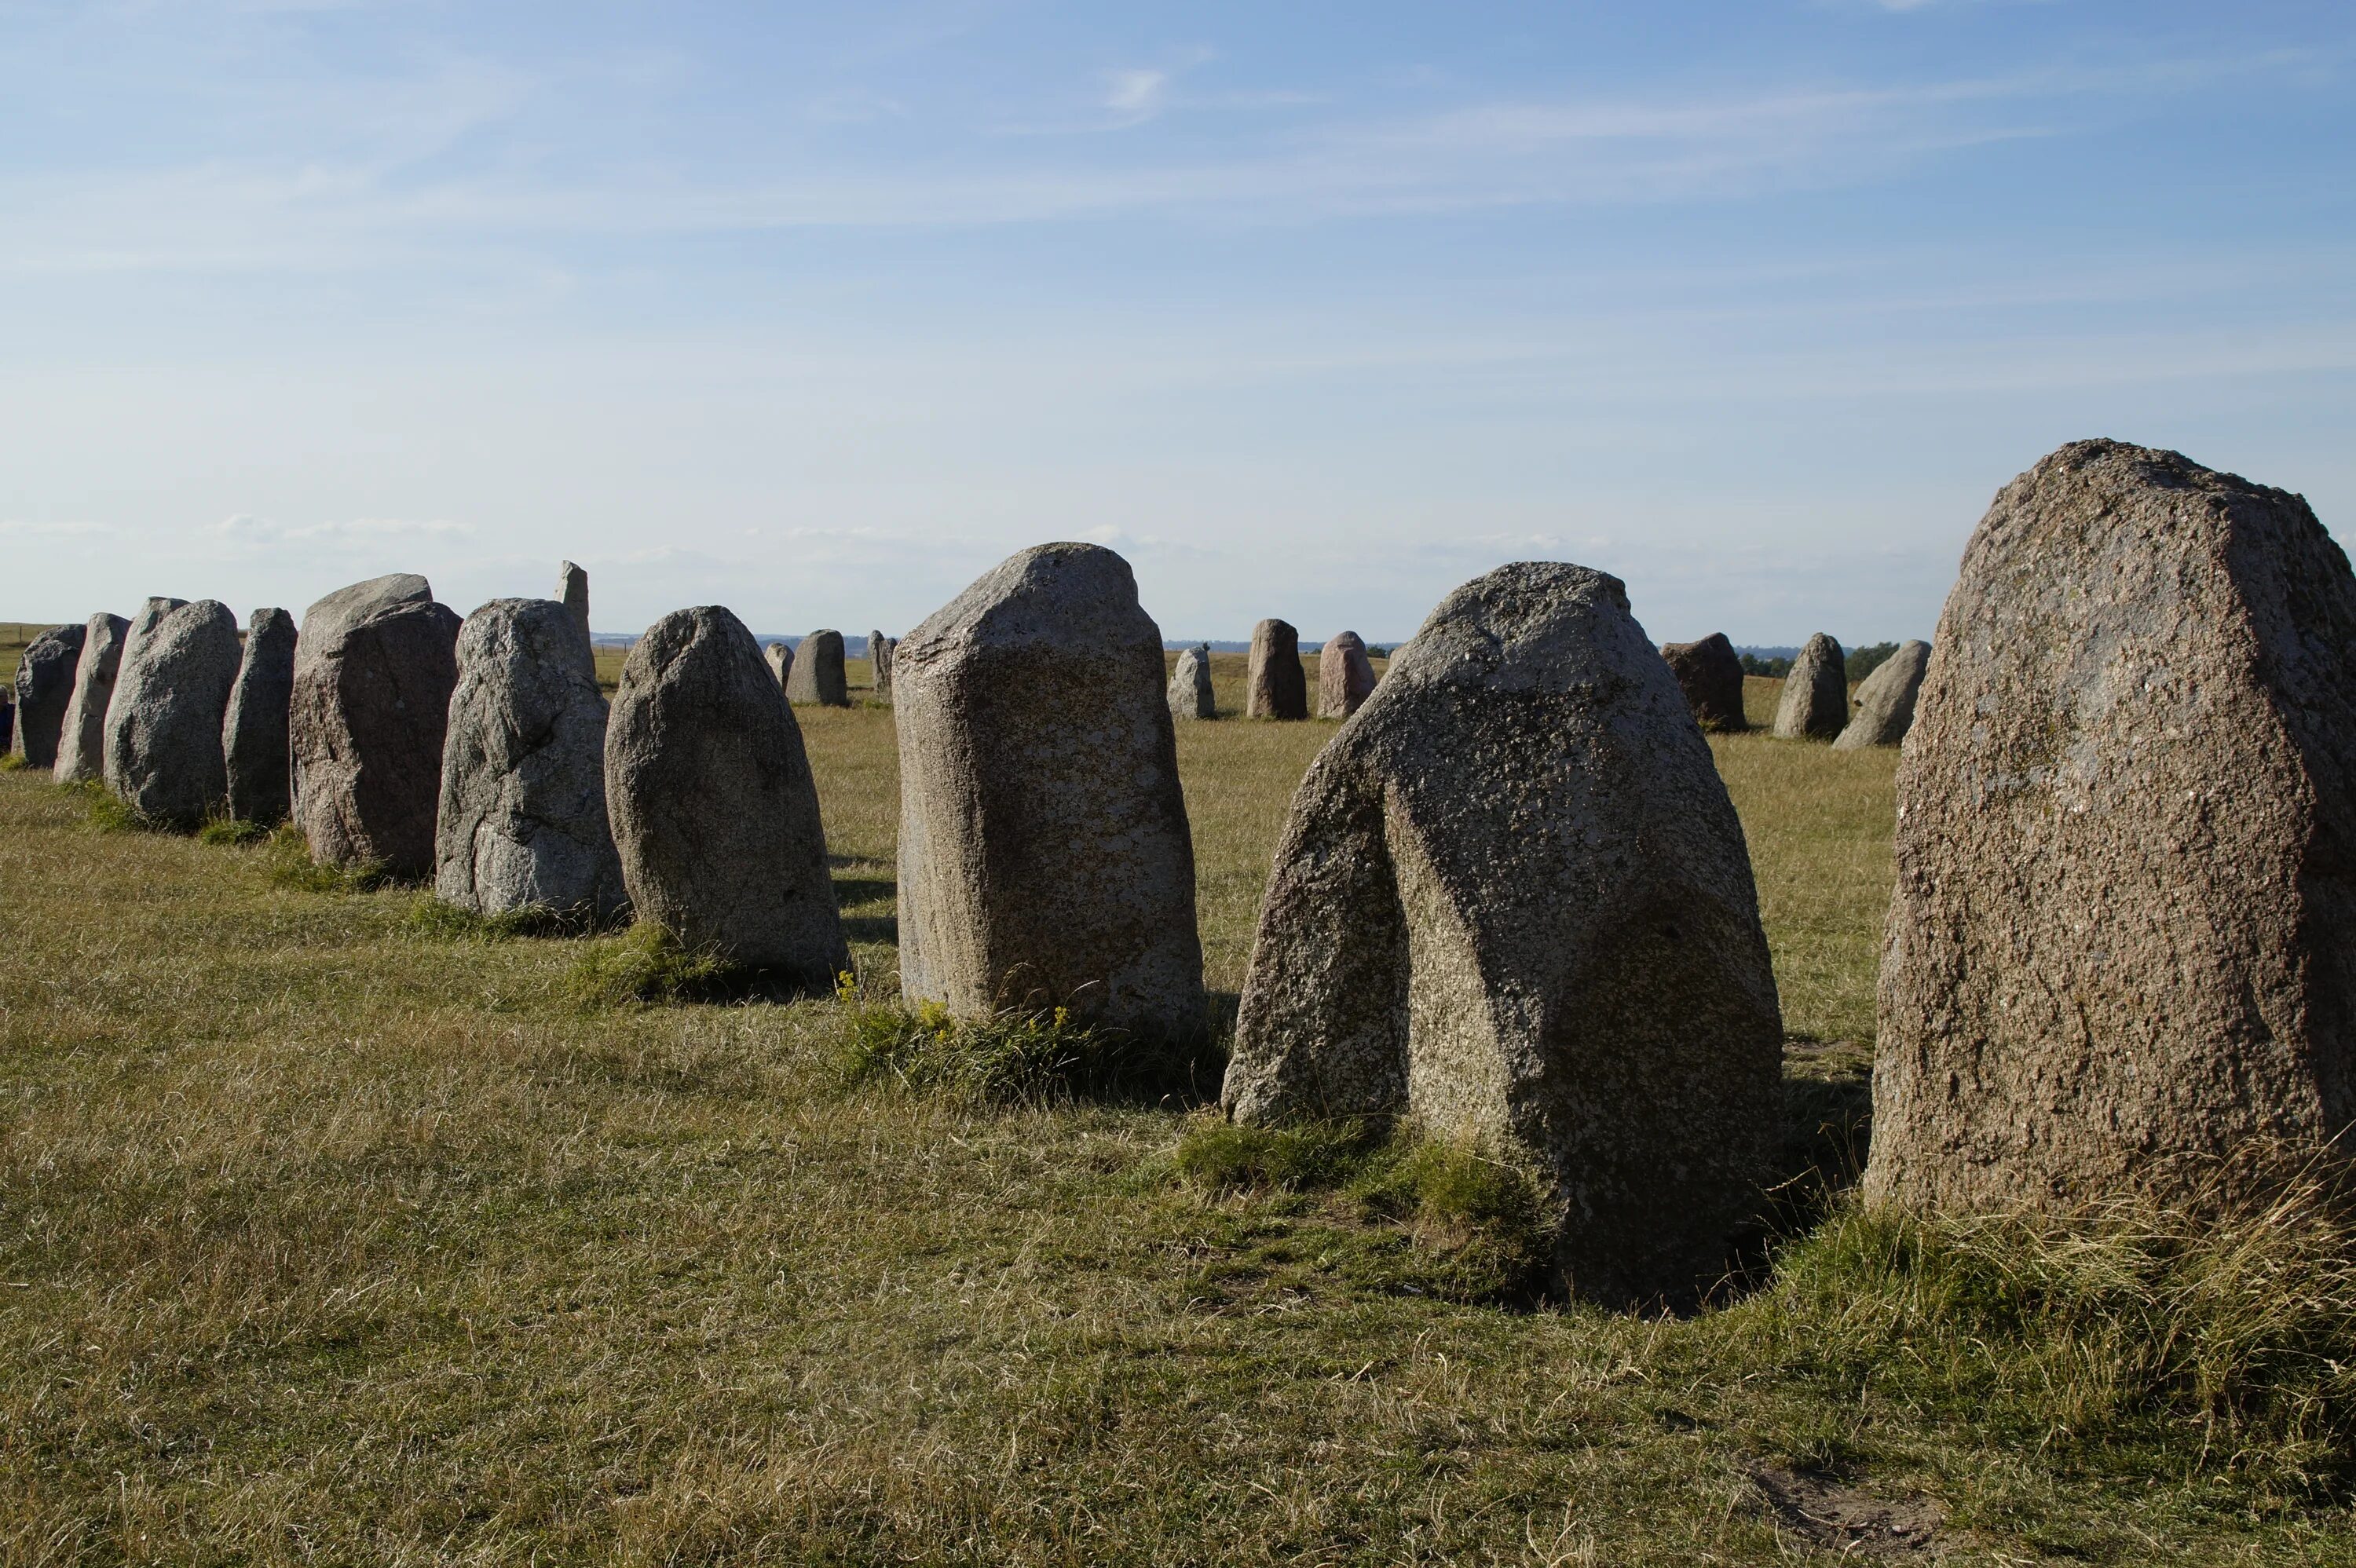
{"points": [[1709, 673], [373, 672], [780, 659], [878, 658], [1044, 854], [1275, 686], [714, 810], [8, 719], [1190, 686], [254, 749], [1815, 705], [162, 750], [1512, 903], [522, 822], [45, 683], [1885, 699], [2122, 939], [573, 593], [1346, 677], [81, 737], [816, 674]]}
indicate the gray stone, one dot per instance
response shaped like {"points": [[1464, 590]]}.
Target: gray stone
{"points": [[1815, 705], [1190, 686], [82, 738], [45, 683], [1275, 686], [255, 748], [780, 658], [1346, 677], [8, 719], [2122, 944], [816, 675], [1709, 673], [373, 673], [1044, 856], [573, 593], [1885, 699], [714, 810], [522, 823], [1513, 903], [879, 656], [163, 749]]}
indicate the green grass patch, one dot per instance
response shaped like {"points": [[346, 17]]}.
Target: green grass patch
{"points": [[430, 916], [649, 964], [290, 866], [105, 812], [231, 832], [14, 763], [1017, 1056]]}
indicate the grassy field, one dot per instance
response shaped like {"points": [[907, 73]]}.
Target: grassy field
{"points": [[331, 1233]]}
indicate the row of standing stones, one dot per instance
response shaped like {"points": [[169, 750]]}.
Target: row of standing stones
{"points": [[1512, 901], [1815, 700]]}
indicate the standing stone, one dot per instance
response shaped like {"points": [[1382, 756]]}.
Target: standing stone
{"points": [[254, 735], [780, 657], [1044, 856], [373, 672], [162, 750], [2123, 940], [81, 737], [1709, 672], [572, 591], [1190, 686], [522, 822], [1275, 687], [1346, 677], [1512, 903], [1885, 699], [45, 683], [879, 656], [714, 810], [8, 719], [816, 674], [1815, 694]]}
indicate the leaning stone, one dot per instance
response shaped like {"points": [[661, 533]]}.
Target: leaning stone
{"points": [[1044, 856], [714, 810], [1275, 684], [1346, 678], [780, 658], [522, 822], [1709, 672], [1512, 903], [1190, 686], [82, 738], [2118, 949], [163, 752], [44, 684], [254, 735], [572, 591], [1815, 694], [373, 673], [816, 674], [1885, 699]]}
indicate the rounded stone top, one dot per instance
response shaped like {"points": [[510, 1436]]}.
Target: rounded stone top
{"points": [[1051, 594]]}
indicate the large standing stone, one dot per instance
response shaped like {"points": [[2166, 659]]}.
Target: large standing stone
{"points": [[254, 735], [1885, 699], [1513, 901], [1275, 686], [1815, 694], [373, 673], [1044, 856], [45, 683], [1709, 672], [816, 674], [163, 752], [522, 821], [780, 659], [1346, 677], [2122, 939], [572, 591], [714, 810], [82, 738], [1190, 686]]}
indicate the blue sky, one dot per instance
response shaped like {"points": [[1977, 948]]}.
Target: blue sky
{"points": [[1312, 310]]}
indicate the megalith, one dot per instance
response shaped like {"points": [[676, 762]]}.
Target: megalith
{"points": [[1885, 699], [45, 683], [1815, 705], [8, 719], [573, 593], [1275, 686], [82, 736], [253, 733], [714, 810], [780, 659], [2121, 945], [1190, 686], [1513, 903], [373, 671], [1709, 673], [522, 823], [879, 656], [1346, 677], [816, 674], [163, 749], [1044, 854]]}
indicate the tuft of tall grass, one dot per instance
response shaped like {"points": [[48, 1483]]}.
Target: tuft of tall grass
{"points": [[290, 865], [648, 964], [231, 831], [1018, 1055], [106, 812], [430, 916], [14, 763]]}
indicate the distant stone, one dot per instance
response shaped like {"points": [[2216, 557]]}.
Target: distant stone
{"points": [[1346, 677], [373, 673], [879, 660], [714, 810], [1190, 686], [1044, 854], [1275, 684], [163, 749], [1885, 699], [780, 657], [1512, 903], [1815, 694], [82, 738], [1709, 672], [816, 675], [255, 747], [45, 683], [573, 593]]}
